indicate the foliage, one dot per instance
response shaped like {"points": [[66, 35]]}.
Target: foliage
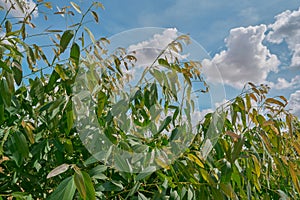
{"points": [[256, 156]]}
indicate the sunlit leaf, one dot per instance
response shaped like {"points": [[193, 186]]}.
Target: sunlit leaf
{"points": [[274, 101], [58, 170], [48, 5], [163, 62], [294, 176], [91, 35], [196, 160], [76, 7]]}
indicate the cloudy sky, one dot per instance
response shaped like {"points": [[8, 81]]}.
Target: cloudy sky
{"points": [[248, 40]]}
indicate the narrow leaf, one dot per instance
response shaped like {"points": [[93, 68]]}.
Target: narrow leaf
{"points": [[18, 72], [195, 159], [75, 53], [95, 15], [84, 185], [65, 40], [76, 7], [89, 32], [58, 170]]}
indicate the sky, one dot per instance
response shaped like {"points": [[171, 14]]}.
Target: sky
{"points": [[248, 40]]}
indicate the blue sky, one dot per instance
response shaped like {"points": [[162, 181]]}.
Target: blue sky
{"points": [[249, 40]]}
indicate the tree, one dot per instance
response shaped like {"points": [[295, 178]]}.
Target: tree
{"points": [[255, 154]]}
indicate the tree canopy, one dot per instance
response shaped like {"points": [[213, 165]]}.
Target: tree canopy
{"points": [[248, 148]]}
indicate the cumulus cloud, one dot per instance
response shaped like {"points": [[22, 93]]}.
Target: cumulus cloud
{"points": [[287, 28], [245, 59], [147, 51], [282, 83], [20, 7], [294, 103]]}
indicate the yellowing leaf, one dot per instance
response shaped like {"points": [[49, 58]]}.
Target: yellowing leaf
{"points": [[84, 185], [98, 4], [76, 7], [89, 32], [256, 165], [253, 96], [28, 129], [79, 183], [233, 135], [48, 5], [274, 101], [294, 177], [196, 160], [297, 147]]}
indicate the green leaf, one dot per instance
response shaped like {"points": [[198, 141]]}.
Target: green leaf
{"points": [[226, 171], [75, 54], [134, 189], [51, 83], [122, 164], [65, 190], [8, 26], [5, 94], [102, 99], [164, 125], [18, 146], [70, 120], [120, 107], [141, 196], [163, 63], [84, 185], [76, 7], [18, 72], [4, 66], [146, 172], [65, 40], [2, 117], [237, 149], [97, 172], [111, 186], [10, 81], [59, 69], [31, 55]]}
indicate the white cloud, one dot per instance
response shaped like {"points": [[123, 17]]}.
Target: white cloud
{"points": [[296, 56], [147, 51], [246, 58], [294, 103], [287, 28], [282, 83], [20, 7]]}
